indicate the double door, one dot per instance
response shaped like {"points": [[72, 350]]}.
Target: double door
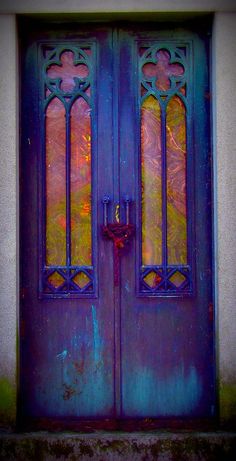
{"points": [[116, 281]]}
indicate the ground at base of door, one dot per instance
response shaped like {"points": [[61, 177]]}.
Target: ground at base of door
{"points": [[119, 446]]}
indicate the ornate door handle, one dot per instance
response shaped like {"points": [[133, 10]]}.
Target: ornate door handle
{"points": [[127, 202], [119, 233], [105, 201]]}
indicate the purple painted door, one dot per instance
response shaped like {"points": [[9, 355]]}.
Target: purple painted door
{"points": [[116, 281]]}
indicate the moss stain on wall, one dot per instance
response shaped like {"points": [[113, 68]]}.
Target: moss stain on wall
{"points": [[228, 403], [7, 402]]}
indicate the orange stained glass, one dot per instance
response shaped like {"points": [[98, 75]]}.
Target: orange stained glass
{"points": [[56, 279], [151, 182], [81, 240], [176, 181], [55, 184]]}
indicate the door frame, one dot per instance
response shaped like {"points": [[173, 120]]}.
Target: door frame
{"points": [[132, 424]]}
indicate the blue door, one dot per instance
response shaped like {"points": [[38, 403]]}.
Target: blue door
{"points": [[116, 279]]}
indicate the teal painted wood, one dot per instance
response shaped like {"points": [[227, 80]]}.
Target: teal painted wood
{"points": [[167, 350], [67, 346], [117, 353]]}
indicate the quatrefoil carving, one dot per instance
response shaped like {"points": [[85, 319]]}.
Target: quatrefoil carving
{"points": [[67, 71], [162, 70]]}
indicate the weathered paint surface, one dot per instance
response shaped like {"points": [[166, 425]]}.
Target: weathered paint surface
{"points": [[167, 358], [7, 402], [67, 350], [177, 394], [118, 355]]}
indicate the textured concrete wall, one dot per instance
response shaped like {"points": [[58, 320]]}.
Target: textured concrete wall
{"points": [[67, 6], [8, 217], [224, 84]]}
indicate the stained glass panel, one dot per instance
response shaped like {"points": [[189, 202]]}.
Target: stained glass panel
{"points": [[176, 182], [66, 106], [55, 184], [152, 279], [81, 245], [151, 182], [164, 97], [177, 279], [81, 279], [56, 279]]}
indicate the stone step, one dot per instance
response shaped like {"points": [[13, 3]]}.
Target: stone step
{"points": [[119, 446]]}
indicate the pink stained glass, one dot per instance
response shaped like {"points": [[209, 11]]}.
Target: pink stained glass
{"points": [[151, 182], [55, 184], [67, 71], [176, 181], [81, 239], [162, 70]]}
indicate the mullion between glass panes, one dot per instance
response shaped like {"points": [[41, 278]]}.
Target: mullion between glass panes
{"points": [[68, 211], [164, 188], [44, 198]]}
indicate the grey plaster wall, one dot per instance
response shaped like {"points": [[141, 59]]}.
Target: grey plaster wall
{"points": [[8, 212], [225, 142], [224, 136], [66, 6]]}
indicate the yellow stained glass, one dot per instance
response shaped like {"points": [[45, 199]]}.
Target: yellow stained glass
{"points": [[81, 240], [151, 182], [176, 181], [55, 183]]}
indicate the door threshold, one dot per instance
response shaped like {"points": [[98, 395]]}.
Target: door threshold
{"points": [[117, 425]]}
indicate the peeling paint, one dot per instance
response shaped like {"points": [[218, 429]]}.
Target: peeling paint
{"points": [[127, 287], [79, 367], [69, 391], [62, 355]]}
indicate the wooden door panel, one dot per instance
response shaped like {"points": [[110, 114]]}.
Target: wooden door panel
{"points": [[167, 354], [67, 336]]}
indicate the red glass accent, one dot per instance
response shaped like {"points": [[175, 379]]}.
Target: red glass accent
{"points": [[162, 70], [183, 90], [67, 71], [81, 240], [152, 279], [151, 182], [55, 184], [176, 181]]}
